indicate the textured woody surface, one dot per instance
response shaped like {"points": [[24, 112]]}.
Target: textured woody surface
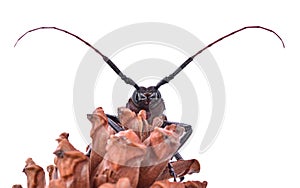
{"points": [[52, 172], [137, 157], [35, 174], [57, 183], [162, 144], [73, 168], [73, 165], [123, 158], [17, 186], [191, 184], [182, 168], [122, 183], [136, 122], [100, 133], [188, 184]]}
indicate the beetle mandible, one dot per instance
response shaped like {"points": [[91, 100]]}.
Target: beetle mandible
{"points": [[149, 98]]}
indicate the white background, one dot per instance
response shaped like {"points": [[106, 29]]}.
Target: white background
{"points": [[258, 145]]}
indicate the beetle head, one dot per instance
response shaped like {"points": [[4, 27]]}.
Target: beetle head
{"points": [[144, 97]]}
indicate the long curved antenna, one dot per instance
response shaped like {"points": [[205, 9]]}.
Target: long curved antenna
{"points": [[184, 64], [126, 79]]}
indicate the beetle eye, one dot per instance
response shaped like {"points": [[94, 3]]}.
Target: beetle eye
{"points": [[154, 96], [141, 97]]}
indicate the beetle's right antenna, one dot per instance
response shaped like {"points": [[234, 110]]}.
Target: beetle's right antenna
{"points": [[126, 79], [184, 64]]}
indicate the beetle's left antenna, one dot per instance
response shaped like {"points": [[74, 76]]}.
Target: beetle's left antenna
{"points": [[126, 79]]}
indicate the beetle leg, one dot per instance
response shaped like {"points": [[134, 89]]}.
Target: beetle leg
{"points": [[187, 129], [177, 156], [188, 132], [171, 171], [88, 150], [112, 117], [113, 122]]}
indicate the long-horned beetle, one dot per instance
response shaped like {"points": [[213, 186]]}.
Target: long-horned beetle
{"points": [[150, 99]]}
